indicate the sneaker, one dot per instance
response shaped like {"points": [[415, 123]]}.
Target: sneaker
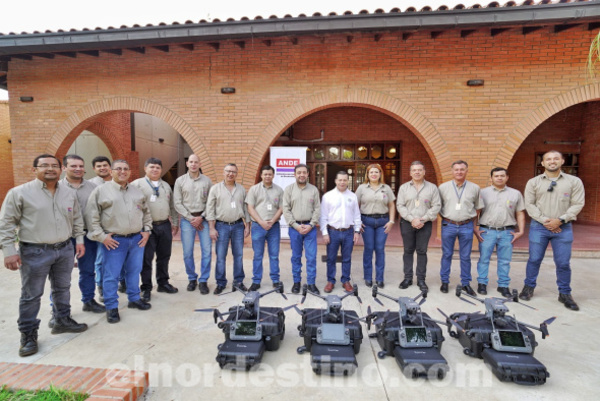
{"points": [[254, 287], [527, 293], [567, 299], [66, 324], [29, 345], [203, 288], [482, 289]]}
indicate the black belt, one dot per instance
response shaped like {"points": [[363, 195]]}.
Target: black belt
{"points": [[459, 223], [377, 216], [498, 228], [303, 222], [58, 245], [339, 229], [230, 224], [125, 235], [197, 214], [158, 223]]}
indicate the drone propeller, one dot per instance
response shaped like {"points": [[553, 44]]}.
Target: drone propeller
{"points": [[378, 301], [453, 322], [422, 301], [297, 309], [383, 318], [356, 294], [467, 301], [544, 326]]}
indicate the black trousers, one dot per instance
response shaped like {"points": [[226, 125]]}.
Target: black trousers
{"points": [[159, 243], [415, 240]]}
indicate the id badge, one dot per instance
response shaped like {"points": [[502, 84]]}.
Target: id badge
{"points": [[417, 203], [269, 207], [458, 206], [233, 205], [153, 198]]}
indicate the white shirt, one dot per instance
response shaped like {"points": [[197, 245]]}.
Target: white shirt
{"points": [[340, 210]]}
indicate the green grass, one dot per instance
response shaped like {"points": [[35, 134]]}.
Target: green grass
{"points": [[53, 394]]}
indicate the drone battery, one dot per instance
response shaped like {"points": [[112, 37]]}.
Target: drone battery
{"points": [[476, 335], [238, 355], [312, 319], [515, 367], [272, 322], [421, 362], [388, 332], [335, 360]]}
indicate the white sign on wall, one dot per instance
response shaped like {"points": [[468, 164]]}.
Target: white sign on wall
{"points": [[283, 160]]}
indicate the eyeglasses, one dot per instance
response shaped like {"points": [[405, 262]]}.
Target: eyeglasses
{"points": [[47, 166], [552, 185], [119, 169], [230, 172]]}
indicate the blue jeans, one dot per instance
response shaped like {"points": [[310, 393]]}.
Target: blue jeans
{"points": [[308, 242], [374, 238], [98, 265], [272, 237], [539, 237], [464, 233], [87, 270], [501, 241], [234, 234], [128, 257], [188, 236], [345, 240]]}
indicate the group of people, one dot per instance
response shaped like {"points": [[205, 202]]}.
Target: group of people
{"points": [[116, 229]]}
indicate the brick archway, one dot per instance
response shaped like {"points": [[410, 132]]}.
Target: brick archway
{"points": [[419, 125], [81, 118], [101, 131], [527, 125]]}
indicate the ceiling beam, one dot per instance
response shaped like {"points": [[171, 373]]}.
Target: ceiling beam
{"points": [[141, 50], [93, 53], [162, 48], [498, 31], [67, 54], [467, 32], [531, 29]]}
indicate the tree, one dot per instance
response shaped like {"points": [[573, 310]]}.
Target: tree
{"points": [[593, 62]]}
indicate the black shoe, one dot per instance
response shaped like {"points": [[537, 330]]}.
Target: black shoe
{"points": [[276, 284], [422, 285], [380, 284], [112, 316], [168, 288], [369, 283], [146, 295], [407, 282], [567, 299], [93, 306], [66, 324], [527, 293], [482, 289], [139, 304], [468, 290], [192, 285], [296, 288], [100, 294], [505, 291], [29, 344], [122, 286], [239, 286], [51, 322], [444, 288], [219, 289], [254, 287], [313, 288], [203, 288]]}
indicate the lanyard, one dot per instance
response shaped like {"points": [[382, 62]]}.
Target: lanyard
{"points": [[153, 187], [461, 192]]}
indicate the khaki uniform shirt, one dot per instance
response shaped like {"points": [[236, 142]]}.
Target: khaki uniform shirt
{"points": [[190, 195], [226, 206], [163, 205], [500, 206], [266, 201], [470, 200], [564, 202], [374, 201], [83, 191], [42, 218], [424, 204], [117, 210], [97, 181], [301, 204]]}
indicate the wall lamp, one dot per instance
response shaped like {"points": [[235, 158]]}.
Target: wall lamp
{"points": [[26, 99], [161, 140], [227, 90], [475, 82]]}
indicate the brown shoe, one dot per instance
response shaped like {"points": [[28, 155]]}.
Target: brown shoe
{"points": [[347, 286], [329, 287]]}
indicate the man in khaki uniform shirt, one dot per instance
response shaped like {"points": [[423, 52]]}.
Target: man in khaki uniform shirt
{"points": [[159, 198], [302, 210], [418, 204], [503, 210], [190, 196], [553, 200], [229, 221], [47, 215], [461, 203], [265, 206], [118, 217]]}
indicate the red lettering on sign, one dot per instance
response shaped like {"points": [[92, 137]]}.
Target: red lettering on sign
{"points": [[287, 162]]}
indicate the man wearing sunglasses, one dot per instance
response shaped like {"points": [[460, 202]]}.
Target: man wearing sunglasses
{"points": [[553, 200]]}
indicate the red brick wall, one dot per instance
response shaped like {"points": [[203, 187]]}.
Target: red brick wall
{"points": [[420, 82], [590, 159], [6, 178]]}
